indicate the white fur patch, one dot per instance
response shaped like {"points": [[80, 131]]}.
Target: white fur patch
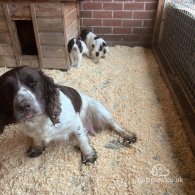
{"points": [[25, 94]]}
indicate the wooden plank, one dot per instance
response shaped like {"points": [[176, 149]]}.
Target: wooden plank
{"points": [[5, 39], [19, 10], [3, 26], [56, 63], [78, 17], [72, 31], [7, 61], [13, 33], [32, 61], [50, 25], [157, 23], [66, 41], [52, 39], [48, 10], [68, 7], [37, 37], [1, 11], [6, 50], [49, 51], [71, 17], [32, 1]]}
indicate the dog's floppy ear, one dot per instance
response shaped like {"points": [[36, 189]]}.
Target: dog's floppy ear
{"points": [[2, 117], [51, 95], [80, 46], [6, 112], [70, 45], [104, 44]]}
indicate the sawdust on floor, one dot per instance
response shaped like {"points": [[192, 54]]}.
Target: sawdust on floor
{"points": [[129, 83]]}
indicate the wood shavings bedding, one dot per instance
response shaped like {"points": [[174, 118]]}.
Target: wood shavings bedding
{"points": [[128, 82]]}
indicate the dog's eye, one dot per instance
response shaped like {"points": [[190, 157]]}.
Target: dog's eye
{"points": [[31, 83]]}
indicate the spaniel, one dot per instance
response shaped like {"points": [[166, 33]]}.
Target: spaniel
{"points": [[76, 48], [49, 111], [95, 44]]}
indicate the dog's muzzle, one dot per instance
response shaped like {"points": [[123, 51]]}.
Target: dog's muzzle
{"points": [[24, 110]]}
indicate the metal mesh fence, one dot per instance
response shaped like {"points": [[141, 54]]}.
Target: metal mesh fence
{"points": [[178, 43]]}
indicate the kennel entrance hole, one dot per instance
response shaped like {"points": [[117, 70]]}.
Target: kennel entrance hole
{"points": [[26, 37]]}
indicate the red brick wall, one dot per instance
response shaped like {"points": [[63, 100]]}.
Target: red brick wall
{"points": [[123, 22]]}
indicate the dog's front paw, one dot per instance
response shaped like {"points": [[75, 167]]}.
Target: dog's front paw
{"points": [[89, 158], [129, 139], [34, 152]]}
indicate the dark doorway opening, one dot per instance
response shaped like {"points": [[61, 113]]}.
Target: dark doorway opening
{"points": [[26, 37]]}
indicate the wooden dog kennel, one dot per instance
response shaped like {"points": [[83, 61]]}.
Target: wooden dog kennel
{"points": [[36, 33]]}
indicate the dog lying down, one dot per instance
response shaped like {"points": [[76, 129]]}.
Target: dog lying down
{"points": [[49, 111]]}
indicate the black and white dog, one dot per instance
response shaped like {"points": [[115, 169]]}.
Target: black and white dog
{"points": [[76, 48], [95, 44], [49, 111]]}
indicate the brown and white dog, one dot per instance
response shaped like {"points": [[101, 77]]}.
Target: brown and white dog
{"points": [[76, 49], [49, 111]]}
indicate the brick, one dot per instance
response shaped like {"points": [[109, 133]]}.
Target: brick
{"points": [[92, 22], [102, 14], [133, 6], [112, 37], [123, 0], [112, 22], [137, 38], [85, 14], [122, 30], [142, 30], [112, 6], [144, 15], [87, 27], [148, 23], [132, 23], [141, 44], [145, 0], [122, 14], [151, 6], [103, 0], [92, 6], [102, 30]]}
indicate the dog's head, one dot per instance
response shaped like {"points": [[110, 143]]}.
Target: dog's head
{"points": [[84, 34], [99, 45], [26, 93], [75, 45]]}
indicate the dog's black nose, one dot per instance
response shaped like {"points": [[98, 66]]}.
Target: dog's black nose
{"points": [[97, 54]]}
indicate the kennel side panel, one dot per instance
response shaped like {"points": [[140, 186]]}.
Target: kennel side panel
{"points": [[71, 23], [50, 31], [71, 20]]}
